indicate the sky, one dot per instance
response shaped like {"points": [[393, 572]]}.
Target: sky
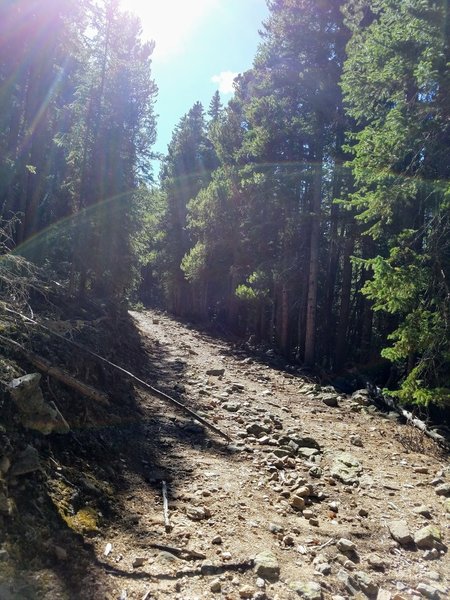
{"points": [[200, 46]]}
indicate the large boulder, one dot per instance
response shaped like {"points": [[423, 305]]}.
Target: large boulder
{"points": [[35, 413]]}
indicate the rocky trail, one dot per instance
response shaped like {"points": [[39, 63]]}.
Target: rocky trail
{"points": [[319, 495]]}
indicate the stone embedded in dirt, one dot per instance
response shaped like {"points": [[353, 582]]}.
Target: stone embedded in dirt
{"points": [[422, 510], [376, 562], [428, 591], [346, 546], [266, 566], [356, 440], [423, 470], [443, 490], [330, 400], [5, 465], [334, 506], [216, 586], [138, 562], [426, 538], [304, 491], [60, 553], [384, 594], [298, 502], [198, 513], [288, 540], [306, 452], [323, 567], [216, 540], [276, 528], [432, 554], [366, 584], [361, 397], [246, 592], [400, 532], [315, 472], [26, 462], [232, 406], [215, 372], [6, 505], [309, 589], [256, 429], [358, 582], [363, 512], [35, 412], [346, 468]]}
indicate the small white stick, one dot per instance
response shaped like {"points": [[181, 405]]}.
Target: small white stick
{"points": [[166, 507]]}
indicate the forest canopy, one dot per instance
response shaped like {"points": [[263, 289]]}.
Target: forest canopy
{"points": [[311, 212]]}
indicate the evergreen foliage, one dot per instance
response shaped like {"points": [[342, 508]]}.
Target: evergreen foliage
{"points": [[311, 212]]}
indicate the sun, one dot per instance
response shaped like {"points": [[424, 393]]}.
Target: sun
{"points": [[169, 22]]}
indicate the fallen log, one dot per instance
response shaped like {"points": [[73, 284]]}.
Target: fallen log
{"points": [[142, 383], [46, 367], [411, 419]]}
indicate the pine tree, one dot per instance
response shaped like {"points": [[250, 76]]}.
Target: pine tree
{"points": [[397, 87]]}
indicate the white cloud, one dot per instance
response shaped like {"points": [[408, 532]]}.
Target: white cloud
{"points": [[225, 81]]}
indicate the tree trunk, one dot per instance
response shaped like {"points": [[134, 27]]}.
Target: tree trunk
{"points": [[344, 311], [311, 308]]}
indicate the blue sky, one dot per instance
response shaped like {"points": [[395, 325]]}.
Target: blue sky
{"points": [[196, 41]]}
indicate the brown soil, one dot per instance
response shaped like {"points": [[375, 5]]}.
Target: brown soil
{"points": [[228, 503]]}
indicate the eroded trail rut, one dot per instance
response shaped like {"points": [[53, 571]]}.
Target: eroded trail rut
{"points": [[318, 496]]}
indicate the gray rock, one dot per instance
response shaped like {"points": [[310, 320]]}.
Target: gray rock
{"points": [[426, 538], [198, 513], [432, 554], [35, 413], [215, 372], [309, 590], [300, 441], [215, 586], [376, 562], [26, 462], [6, 505], [366, 584], [346, 468], [306, 452], [346, 546], [256, 429], [361, 397], [428, 591], [356, 440], [246, 591], [266, 566], [297, 502], [384, 594], [357, 583], [330, 400], [138, 562], [315, 472], [5, 465], [276, 528], [443, 490], [232, 406], [324, 568], [400, 532], [423, 510]]}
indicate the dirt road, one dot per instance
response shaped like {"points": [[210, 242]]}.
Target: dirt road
{"points": [[317, 496]]}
